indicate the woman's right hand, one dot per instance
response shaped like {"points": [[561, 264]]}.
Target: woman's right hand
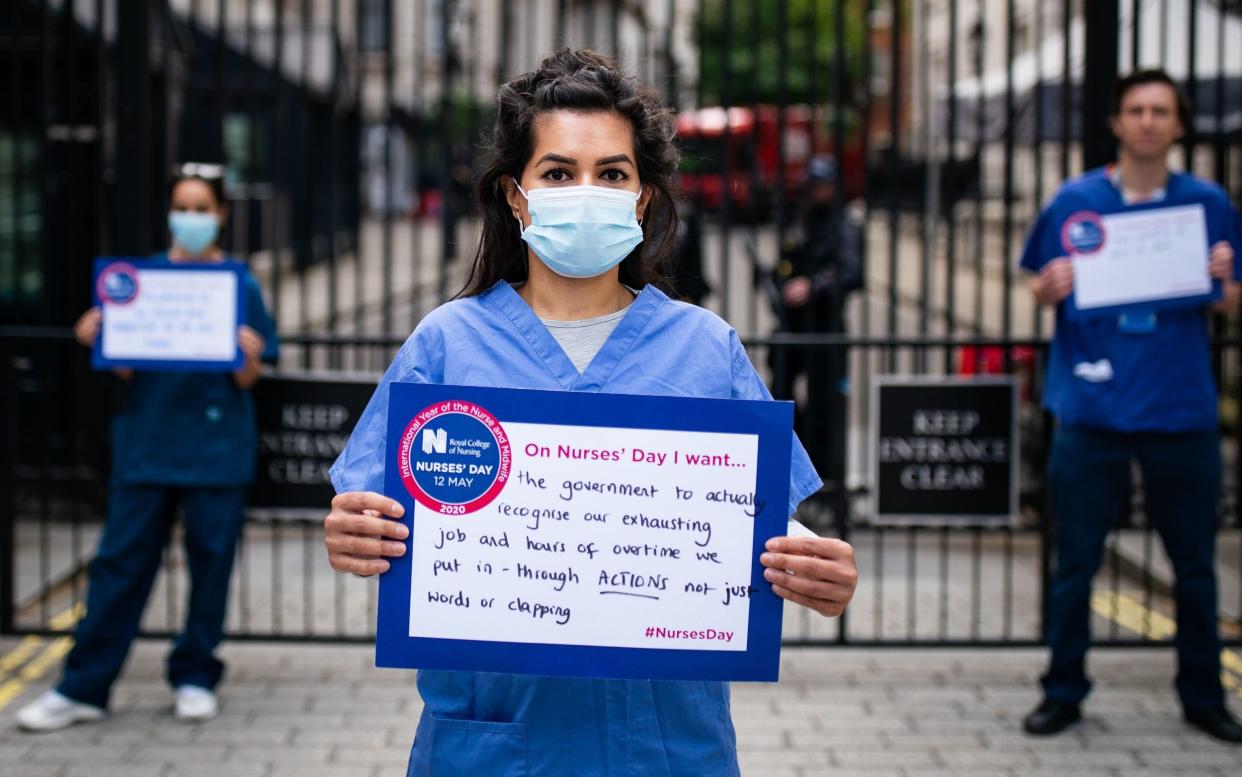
{"points": [[86, 331], [355, 532], [87, 328]]}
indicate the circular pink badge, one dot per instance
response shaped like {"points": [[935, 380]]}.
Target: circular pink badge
{"points": [[454, 457]]}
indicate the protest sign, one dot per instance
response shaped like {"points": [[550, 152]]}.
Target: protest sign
{"points": [[585, 535], [169, 316]]}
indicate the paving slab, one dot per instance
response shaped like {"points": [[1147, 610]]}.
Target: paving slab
{"points": [[311, 710]]}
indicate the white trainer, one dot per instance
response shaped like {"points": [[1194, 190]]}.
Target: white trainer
{"points": [[195, 704], [52, 711]]}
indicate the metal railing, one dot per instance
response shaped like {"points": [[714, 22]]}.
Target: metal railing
{"points": [[934, 584]]}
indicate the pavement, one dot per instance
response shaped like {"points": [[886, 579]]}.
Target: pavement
{"points": [[298, 710], [303, 709]]}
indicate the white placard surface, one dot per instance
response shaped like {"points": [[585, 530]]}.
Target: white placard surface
{"points": [[1146, 256], [674, 555], [178, 315]]}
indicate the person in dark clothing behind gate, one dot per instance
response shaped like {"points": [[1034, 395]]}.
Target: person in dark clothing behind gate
{"points": [[688, 284], [1133, 384], [821, 265]]}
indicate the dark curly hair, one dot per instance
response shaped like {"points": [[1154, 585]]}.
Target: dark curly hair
{"points": [[574, 80]]}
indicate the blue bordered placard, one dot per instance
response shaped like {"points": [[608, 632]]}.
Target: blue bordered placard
{"points": [[489, 419], [118, 289], [1084, 233]]}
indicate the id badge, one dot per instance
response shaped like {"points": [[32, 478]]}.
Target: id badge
{"points": [[1139, 322]]}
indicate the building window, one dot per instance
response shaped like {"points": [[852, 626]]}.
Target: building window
{"points": [[246, 149], [375, 21], [21, 220]]}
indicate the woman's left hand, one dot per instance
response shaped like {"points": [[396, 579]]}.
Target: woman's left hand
{"points": [[251, 343], [824, 572]]}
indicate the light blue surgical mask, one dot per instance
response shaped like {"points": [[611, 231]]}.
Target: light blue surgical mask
{"points": [[193, 231], [581, 231]]}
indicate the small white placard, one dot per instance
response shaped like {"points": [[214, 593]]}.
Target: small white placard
{"points": [[1146, 256], [177, 315]]}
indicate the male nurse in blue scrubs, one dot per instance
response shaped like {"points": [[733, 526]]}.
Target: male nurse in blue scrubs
{"points": [[1135, 385]]}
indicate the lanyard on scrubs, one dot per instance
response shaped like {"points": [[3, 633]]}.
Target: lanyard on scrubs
{"points": [[1139, 321]]}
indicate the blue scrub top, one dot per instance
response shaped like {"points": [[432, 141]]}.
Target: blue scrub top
{"points": [[191, 428], [495, 724], [1127, 381]]}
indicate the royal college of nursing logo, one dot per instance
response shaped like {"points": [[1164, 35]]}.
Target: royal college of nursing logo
{"points": [[454, 457], [1083, 233], [118, 284]]}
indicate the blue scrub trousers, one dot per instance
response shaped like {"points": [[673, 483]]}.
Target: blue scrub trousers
{"points": [[135, 534], [1089, 474]]}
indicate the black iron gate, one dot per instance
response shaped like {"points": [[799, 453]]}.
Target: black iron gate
{"points": [[348, 132]]}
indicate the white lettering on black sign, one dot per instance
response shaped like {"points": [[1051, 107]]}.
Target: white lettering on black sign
{"points": [[303, 426], [945, 448]]}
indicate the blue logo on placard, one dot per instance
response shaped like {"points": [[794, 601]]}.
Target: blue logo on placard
{"points": [[118, 284], [459, 459], [1083, 233]]}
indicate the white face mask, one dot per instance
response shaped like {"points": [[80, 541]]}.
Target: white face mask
{"points": [[581, 231]]}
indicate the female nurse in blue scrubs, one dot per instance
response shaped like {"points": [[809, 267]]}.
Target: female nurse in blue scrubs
{"points": [[182, 440], [577, 210]]}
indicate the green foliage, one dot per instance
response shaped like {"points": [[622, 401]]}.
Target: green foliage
{"points": [[753, 51]]}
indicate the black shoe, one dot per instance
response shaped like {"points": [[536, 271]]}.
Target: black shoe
{"points": [[1215, 722], [1051, 717]]}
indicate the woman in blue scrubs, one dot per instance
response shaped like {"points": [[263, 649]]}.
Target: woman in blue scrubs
{"points": [[182, 440], [578, 213]]}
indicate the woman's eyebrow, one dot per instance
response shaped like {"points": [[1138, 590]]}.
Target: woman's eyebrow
{"points": [[557, 158], [608, 160]]}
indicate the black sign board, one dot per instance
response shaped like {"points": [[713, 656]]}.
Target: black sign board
{"points": [[945, 448], [304, 423]]}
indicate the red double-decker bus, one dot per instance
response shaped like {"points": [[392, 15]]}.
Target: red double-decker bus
{"points": [[738, 149]]}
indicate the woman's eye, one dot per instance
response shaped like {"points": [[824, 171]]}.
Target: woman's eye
{"points": [[556, 175], [614, 176]]}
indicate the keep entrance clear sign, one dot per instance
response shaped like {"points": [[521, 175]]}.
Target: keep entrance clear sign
{"points": [[304, 421], [945, 448]]}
